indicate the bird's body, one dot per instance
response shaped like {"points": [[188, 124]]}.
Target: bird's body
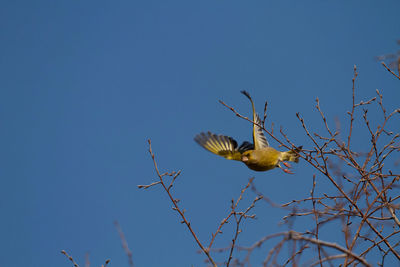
{"points": [[258, 156], [262, 159]]}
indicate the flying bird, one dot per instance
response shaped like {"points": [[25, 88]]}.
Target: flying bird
{"points": [[258, 156]]}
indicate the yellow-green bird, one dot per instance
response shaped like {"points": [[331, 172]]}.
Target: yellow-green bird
{"points": [[258, 156]]}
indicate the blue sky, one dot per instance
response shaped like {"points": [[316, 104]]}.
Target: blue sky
{"points": [[85, 84]]}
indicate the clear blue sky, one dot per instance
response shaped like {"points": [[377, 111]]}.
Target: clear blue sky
{"points": [[84, 84]]}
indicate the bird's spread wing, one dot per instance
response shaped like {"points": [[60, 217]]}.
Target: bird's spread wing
{"points": [[222, 145], [258, 136]]}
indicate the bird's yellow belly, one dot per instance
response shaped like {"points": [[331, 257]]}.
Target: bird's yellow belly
{"points": [[264, 160], [260, 168]]}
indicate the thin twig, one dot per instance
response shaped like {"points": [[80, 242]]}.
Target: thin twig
{"points": [[176, 207], [125, 246], [397, 76], [70, 258]]}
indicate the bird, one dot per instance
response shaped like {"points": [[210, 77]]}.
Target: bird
{"points": [[258, 156]]}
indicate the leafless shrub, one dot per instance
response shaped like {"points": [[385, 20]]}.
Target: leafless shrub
{"points": [[363, 203]]}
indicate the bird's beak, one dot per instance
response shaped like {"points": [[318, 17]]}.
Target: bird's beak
{"points": [[245, 158]]}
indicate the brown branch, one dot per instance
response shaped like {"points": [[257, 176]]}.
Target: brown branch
{"points": [[232, 212], [298, 236], [363, 201], [87, 261], [329, 258], [176, 207], [125, 246], [149, 185], [242, 215], [70, 258], [314, 210], [397, 76], [295, 254]]}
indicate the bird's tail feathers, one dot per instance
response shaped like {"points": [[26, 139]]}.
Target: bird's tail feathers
{"points": [[291, 155]]}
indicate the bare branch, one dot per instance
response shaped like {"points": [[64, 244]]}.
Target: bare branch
{"points": [[175, 204], [397, 76], [128, 252], [70, 258]]}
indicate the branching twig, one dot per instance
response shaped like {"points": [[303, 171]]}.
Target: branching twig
{"points": [[362, 201], [175, 203]]}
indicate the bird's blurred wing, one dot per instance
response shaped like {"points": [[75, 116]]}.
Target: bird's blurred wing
{"points": [[258, 136], [221, 145]]}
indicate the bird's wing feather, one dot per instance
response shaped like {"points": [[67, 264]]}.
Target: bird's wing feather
{"points": [[221, 145], [245, 146], [258, 136]]}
